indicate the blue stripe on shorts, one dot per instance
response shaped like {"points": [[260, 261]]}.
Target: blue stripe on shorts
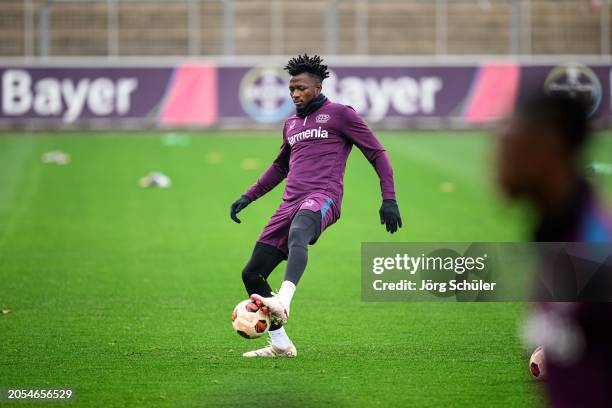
{"points": [[326, 206]]}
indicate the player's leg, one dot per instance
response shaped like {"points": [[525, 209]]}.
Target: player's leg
{"points": [[305, 229], [266, 256], [264, 259]]}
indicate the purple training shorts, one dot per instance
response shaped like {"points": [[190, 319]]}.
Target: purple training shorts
{"points": [[276, 232]]}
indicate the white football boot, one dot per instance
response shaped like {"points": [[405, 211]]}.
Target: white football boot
{"points": [[272, 351], [278, 312]]}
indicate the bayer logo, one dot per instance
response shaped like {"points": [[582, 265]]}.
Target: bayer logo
{"points": [[578, 81], [264, 94]]}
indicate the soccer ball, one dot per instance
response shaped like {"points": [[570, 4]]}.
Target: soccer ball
{"points": [[249, 320], [536, 364]]}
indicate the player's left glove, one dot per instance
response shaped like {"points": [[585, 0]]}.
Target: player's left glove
{"points": [[239, 205], [390, 215]]}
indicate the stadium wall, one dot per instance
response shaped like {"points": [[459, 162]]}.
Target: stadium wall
{"points": [[205, 95]]}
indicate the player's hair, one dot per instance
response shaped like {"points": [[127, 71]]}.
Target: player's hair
{"points": [[311, 65], [568, 115]]}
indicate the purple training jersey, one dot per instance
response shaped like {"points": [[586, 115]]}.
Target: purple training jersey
{"points": [[314, 153], [579, 356]]}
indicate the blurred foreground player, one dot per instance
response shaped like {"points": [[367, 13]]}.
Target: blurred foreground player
{"points": [[317, 141], [538, 162]]}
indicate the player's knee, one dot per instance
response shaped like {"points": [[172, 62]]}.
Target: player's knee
{"points": [[250, 276], [298, 236], [303, 229]]}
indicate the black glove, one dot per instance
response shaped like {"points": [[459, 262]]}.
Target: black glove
{"points": [[238, 206], [390, 215]]}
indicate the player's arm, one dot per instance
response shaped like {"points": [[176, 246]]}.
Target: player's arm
{"points": [[271, 178], [358, 132]]}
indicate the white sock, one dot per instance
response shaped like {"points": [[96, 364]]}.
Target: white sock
{"points": [[279, 338], [286, 292]]}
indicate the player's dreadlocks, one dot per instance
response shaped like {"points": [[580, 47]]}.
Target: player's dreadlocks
{"points": [[312, 65]]}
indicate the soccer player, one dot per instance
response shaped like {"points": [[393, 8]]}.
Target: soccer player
{"points": [[317, 141], [539, 163]]}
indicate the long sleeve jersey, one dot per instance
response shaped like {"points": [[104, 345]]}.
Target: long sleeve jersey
{"points": [[314, 153]]}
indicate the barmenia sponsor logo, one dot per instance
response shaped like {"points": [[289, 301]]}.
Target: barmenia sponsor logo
{"points": [[307, 134]]}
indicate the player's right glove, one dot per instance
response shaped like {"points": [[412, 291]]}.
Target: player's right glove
{"points": [[238, 206], [390, 215]]}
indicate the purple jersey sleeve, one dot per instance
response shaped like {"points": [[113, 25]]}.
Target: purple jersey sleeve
{"points": [[273, 175], [359, 133]]}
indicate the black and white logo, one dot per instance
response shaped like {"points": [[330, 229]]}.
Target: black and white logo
{"points": [[322, 118], [577, 80], [264, 95]]}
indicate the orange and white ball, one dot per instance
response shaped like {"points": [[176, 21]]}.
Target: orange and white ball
{"points": [[249, 320], [537, 366]]}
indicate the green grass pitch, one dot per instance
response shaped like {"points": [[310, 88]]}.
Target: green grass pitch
{"points": [[125, 294]]}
